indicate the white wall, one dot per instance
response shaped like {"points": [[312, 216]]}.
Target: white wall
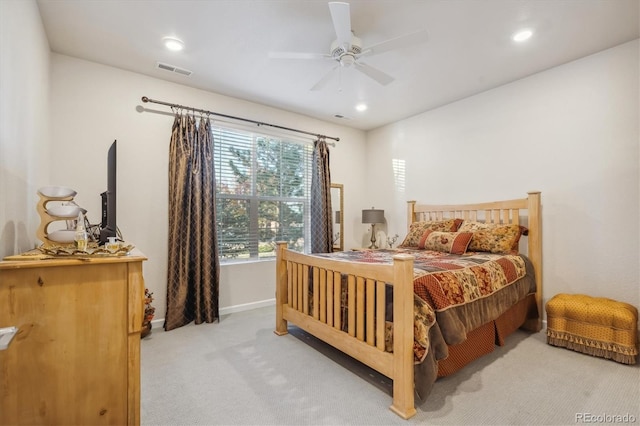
{"points": [[24, 118], [570, 132], [92, 104]]}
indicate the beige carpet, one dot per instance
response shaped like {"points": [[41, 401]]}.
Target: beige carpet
{"points": [[238, 372]]}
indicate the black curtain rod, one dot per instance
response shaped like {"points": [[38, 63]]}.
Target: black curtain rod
{"points": [[259, 123]]}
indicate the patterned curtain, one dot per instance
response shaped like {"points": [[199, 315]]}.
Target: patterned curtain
{"points": [[321, 223], [193, 277]]}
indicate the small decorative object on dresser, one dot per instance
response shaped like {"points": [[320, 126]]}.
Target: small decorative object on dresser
{"points": [[56, 206], [593, 325]]}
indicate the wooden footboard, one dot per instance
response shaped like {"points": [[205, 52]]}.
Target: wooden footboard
{"points": [[364, 339]]}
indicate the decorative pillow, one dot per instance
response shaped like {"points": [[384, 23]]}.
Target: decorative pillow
{"points": [[493, 237], [447, 242], [417, 229]]}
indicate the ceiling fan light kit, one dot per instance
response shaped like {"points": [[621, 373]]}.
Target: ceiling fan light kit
{"points": [[347, 49], [347, 60]]}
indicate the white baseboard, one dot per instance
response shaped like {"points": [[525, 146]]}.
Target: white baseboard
{"points": [[247, 306], [159, 323]]}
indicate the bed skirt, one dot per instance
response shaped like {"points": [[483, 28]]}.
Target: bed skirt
{"points": [[483, 339]]}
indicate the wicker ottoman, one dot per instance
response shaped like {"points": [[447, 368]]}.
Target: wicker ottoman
{"points": [[593, 325]]}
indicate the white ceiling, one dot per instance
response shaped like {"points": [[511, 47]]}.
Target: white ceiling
{"points": [[227, 45]]}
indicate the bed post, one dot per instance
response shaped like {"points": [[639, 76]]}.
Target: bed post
{"points": [[281, 288], [411, 213], [535, 251], [403, 317]]}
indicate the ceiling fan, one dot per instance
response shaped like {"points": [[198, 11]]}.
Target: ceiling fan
{"points": [[347, 49]]}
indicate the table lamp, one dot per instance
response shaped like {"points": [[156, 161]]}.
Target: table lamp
{"points": [[373, 216]]}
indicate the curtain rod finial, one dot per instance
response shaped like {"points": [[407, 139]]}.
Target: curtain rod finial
{"points": [[145, 99]]}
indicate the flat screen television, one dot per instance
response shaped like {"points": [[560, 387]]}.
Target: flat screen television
{"points": [[108, 226]]}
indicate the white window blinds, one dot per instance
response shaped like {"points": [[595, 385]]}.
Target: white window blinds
{"points": [[262, 193]]}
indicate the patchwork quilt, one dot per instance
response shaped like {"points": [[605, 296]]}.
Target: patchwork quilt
{"points": [[458, 292]]}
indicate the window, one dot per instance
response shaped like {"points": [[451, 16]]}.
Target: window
{"points": [[262, 193]]}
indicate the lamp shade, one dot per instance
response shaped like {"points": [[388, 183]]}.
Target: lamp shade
{"points": [[337, 216], [373, 216]]}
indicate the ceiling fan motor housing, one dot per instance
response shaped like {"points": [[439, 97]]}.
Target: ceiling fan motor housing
{"points": [[339, 50]]}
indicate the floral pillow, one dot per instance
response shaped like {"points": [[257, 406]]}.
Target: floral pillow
{"points": [[493, 237], [447, 242], [417, 229]]}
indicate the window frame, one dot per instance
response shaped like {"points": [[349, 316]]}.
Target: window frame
{"points": [[254, 199]]}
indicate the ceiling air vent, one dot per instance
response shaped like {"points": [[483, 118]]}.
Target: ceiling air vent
{"points": [[342, 117], [173, 68]]}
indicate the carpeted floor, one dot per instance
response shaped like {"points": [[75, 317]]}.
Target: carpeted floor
{"points": [[238, 372]]}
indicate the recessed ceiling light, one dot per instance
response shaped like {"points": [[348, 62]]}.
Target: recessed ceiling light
{"points": [[173, 43], [521, 36], [361, 107]]}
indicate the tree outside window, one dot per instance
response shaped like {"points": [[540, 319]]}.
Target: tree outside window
{"points": [[262, 193]]}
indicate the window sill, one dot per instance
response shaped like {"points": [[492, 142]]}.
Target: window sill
{"points": [[247, 261]]}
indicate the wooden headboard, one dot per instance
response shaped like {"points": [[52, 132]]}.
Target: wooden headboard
{"points": [[499, 212]]}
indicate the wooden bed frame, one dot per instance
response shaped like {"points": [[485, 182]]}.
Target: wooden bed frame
{"points": [[367, 343]]}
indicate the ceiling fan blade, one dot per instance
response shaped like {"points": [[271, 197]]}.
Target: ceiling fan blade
{"points": [[298, 55], [396, 43], [324, 80], [341, 22], [374, 73]]}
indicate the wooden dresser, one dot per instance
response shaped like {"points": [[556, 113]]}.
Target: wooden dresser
{"points": [[75, 359]]}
